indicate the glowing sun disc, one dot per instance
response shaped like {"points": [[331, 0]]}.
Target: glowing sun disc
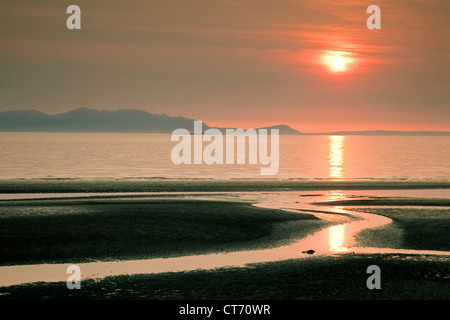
{"points": [[338, 63]]}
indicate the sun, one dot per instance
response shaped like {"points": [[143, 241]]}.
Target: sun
{"points": [[338, 63]]}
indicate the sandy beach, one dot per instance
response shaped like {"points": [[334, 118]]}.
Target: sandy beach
{"points": [[83, 230], [204, 218]]}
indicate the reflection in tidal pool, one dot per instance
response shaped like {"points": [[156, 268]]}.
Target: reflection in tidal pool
{"points": [[336, 239]]}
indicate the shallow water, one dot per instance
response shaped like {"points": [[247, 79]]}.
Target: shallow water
{"points": [[336, 239], [333, 195]]}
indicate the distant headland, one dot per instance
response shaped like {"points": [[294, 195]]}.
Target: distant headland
{"points": [[138, 121]]}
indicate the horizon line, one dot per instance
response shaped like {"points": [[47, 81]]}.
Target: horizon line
{"points": [[334, 132]]}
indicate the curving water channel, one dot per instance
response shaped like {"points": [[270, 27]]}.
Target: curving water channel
{"points": [[338, 238]]}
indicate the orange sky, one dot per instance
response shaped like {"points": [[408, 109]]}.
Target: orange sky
{"points": [[234, 63]]}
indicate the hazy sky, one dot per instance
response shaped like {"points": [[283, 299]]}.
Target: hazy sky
{"points": [[242, 63]]}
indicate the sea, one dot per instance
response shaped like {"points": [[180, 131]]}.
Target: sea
{"points": [[25, 155]]}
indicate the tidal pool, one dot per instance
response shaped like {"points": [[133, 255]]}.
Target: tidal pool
{"points": [[336, 239]]}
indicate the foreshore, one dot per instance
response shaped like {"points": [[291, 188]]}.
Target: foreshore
{"points": [[403, 277], [103, 228], [69, 185], [93, 229]]}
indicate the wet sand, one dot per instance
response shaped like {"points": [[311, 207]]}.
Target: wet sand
{"points": [[107, 229], [206, 185], [41, 228], [403, 277], [425, 228]]}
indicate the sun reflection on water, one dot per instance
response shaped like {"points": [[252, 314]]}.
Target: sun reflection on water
{"points": [[336, 195], [336, 234], [337, 238], [336, 157]]}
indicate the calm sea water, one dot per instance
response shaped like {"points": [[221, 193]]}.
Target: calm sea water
{"points": [[106, 155]]}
